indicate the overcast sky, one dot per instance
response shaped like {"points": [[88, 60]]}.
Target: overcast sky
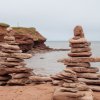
{"points": [[55, 19]]}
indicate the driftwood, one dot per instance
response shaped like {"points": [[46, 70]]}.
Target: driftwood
{"points": [[82, 54]]}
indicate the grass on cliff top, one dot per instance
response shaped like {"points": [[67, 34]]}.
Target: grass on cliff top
{"points": [[31, 30], [4, 25], [23, 30]]}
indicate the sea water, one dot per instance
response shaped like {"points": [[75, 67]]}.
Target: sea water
{"points": [[46, 63]]}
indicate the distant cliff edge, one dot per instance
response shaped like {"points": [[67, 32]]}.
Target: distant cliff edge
{"points": [[27, 38]]}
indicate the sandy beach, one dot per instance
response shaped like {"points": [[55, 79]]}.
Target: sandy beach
{"points": [[37, 92]]}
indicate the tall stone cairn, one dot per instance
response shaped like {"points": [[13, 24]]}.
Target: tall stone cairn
{"points": [[79, 60], [68, 80], [12, 65]]}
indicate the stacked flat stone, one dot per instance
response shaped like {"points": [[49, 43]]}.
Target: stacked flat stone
{"points": [[12, 65], [69, 87], [80, 58]]}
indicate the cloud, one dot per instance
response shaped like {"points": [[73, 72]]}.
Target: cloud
{"points": [[53, 18]]}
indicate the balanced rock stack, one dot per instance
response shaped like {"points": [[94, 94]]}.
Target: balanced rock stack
{"points": [[12, 65], [80, 58], [69, 87]]}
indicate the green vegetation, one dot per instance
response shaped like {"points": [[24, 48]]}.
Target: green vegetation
{"points": [[23, 30], [4, 25]]}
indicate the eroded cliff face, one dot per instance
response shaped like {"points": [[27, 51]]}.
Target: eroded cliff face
{"points": [[27, 38], [38, 39]]}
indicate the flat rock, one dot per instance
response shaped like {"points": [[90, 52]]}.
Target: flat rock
{"points": [[81, 59], [14, 60], [2, 83], [88, 81], [59, 95], [9, 38], [69, 71], [94, 88], [7, 46], [78, 85], [88, 75], [79, 50], [21, 55], [84, 70], [79, 41], [3, 71], [70, 75], [81, 54], [11, 64], [11, 51], [5, 78], [78, 45], [18, 70], [40, 79], [2, 54], [77, 64], [21, 81], [80, 95], [20, 75]]}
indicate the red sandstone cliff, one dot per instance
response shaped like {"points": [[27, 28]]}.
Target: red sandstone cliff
{"points": [[27, 38]]}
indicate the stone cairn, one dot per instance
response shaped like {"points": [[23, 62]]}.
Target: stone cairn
{"points": [[12, 65], [69, 87], [80, 58], [74, 78]]}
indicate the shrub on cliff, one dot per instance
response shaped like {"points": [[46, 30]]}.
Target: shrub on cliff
{"points": [[4, 25]]}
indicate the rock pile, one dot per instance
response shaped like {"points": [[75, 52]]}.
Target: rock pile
{"points": [[70, 88], [80, 58], [12, 65]]}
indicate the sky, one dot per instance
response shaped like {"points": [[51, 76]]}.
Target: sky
{"points": [[55, 19]]}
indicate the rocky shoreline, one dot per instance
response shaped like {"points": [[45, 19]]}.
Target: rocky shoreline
{"points": [[63, 85]]}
